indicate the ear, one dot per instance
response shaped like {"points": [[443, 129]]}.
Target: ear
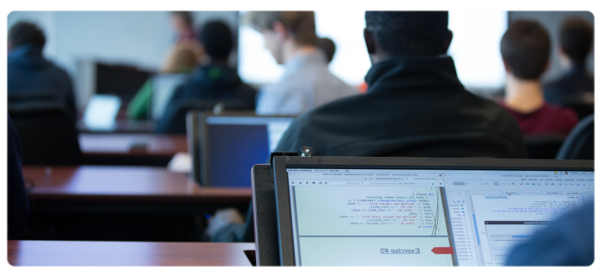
{"points": [[448, 41], [280, 30], [506, 67], [370, 41]]}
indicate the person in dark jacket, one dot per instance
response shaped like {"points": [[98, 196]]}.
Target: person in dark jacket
{"points": [[577, 85], [415, 105], [28, 70], [213, 79], [18, 202]]}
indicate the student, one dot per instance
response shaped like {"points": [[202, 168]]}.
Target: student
{"points": [[183, 23], [182, 59], [577, 85], [29, 70], [415, 104], [525, 49], [328, 47], [306, 82], [569, 240], [213, 79]]}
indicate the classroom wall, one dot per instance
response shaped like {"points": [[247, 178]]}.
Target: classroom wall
{"points": [[551, 21]]}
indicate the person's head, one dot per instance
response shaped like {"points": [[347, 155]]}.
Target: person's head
{"points": [[390, 34], [285, 32], [22, 33], [525, 49], [217, 39], [184, 57], [576, 36], [182, 21], [328, 47]]}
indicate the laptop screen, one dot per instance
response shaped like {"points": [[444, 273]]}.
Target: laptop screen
{"points": [[163, 88], [236, 143], [387, 217]]}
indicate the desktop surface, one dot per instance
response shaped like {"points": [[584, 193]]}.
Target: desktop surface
{"points": [[102, 253]]}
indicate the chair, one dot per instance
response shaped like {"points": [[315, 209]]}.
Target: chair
{"points": [[47, 134], [583, 109], [173, 120], [580, 142], [543, 146]]}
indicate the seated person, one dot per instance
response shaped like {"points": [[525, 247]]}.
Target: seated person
{"points": [[182, 59], [577, 85], [213, 79], [328, 47], [567, 241], [29, 70], [415, 105], [525, 49], [306, 82], [18, 202]]}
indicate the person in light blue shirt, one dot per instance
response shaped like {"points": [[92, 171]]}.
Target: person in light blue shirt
{"points": [[306, 82]]}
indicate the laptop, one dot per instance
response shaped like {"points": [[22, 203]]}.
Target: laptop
{"points": [[350, 211], [227, 145], [101, 112], [164, 86]]}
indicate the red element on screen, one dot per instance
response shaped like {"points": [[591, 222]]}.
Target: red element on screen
{"points": [[442, 250]]}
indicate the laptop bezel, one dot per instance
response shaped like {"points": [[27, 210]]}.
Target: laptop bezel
{"points": [[284, 221]]}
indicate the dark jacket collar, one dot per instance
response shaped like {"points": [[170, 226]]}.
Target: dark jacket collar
{"points": [[28, 54], [411, 73]]}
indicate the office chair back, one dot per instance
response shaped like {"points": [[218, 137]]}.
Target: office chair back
{"points": [[47, 134], [580, 142], [543, 146], [173, 120], [583, 109]]}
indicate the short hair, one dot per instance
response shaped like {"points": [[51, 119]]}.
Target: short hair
{"points": [[409, 33], [183, 58], [217, 39], [576, 36], [328, 47], [22, 33], [301, 24], [185, 16], [526, 49]]}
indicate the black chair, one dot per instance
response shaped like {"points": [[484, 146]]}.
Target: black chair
{"points": [[173, 120], [583, 109], [580, 142], [543, 146], [47, 134]]}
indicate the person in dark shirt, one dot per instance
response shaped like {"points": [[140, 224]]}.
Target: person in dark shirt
{"points": [[213, 79], [569, 241], [525, 49], [577, 84], [28, 70], [415, 105], [18, 202]]}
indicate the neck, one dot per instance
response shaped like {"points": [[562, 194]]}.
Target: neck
{"points": [[206, 60], [523, 96], [291, 50]]}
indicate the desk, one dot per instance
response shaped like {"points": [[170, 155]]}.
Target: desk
{"points": [[124, 203], [90, 253], [121, 126], [130, 149]]}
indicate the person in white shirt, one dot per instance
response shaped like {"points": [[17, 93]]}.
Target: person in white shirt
{"points": [[306, 82]]}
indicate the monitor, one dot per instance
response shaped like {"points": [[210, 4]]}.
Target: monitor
{"points": [[419, 212], [475, 48], [164, 86], [231, 143]]}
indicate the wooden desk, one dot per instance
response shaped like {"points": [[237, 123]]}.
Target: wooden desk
{"points": [[121, 126], [130, 149], [124, 183], [102, 253], [124, 203]]}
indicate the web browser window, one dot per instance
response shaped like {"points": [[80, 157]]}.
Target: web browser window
{"points": [[424, 217]]}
